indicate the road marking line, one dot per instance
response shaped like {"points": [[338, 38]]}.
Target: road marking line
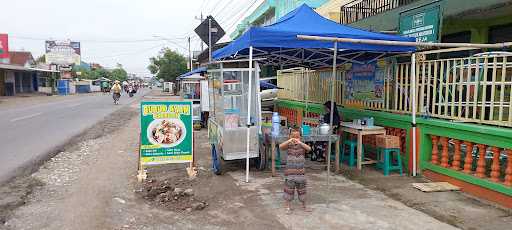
{"points": [[26, 117], [74, 105]]}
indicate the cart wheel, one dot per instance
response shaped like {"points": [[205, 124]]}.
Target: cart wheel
{"points": [[261, 161]]}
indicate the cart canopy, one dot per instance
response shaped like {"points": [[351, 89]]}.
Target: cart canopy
{"points": [[192, 73], [279, 45]]}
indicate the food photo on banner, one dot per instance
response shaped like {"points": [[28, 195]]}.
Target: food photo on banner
{"points": [[166, 132], [365, 82]]}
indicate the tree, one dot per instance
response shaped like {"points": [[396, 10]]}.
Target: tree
{"points": [[118, 73], [41, 59], [168, 65]]}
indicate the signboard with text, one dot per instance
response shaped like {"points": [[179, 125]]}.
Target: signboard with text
{"points": [[4, 46], [166, 132], [421, 23], [62, 52]]}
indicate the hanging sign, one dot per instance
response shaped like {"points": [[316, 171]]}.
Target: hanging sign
{"points": [[421, 23], [365, 82], [166, 132]]}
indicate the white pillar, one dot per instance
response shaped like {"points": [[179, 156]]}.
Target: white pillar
{"points": [[413, 114], [248, 117]]}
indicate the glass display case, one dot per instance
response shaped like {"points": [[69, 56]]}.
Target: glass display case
{"points": [[192, 89], [229, 95]]}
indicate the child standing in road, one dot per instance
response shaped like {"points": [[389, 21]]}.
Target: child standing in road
{"points": [[295, 173]]}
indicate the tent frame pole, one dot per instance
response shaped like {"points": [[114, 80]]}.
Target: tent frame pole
{"points": [[329, 143], [404, 43], [307, 93], [413, 113], [248, 117]]}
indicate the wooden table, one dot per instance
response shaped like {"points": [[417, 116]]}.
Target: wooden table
{"points": [[314, 137], [360, 131]]}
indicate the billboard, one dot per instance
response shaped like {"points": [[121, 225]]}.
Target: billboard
{"points": [[62, 52], [4, 46], [166, 132]]}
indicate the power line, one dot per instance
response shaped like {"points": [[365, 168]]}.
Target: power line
{"points": [[202, 5], [223, 8], [214, 7], [241, 15], [232, 15], [102, 41], [131, 53]]}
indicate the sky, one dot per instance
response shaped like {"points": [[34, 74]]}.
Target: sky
{"points": [[128, 32]]}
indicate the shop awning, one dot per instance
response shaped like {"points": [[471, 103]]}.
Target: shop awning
{"points": [[279, 45], [193, 72]]}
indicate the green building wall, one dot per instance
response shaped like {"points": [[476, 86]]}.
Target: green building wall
{"points": [[452, 20]]}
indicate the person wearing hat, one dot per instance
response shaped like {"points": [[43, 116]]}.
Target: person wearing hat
{"points": [[116, 91]]}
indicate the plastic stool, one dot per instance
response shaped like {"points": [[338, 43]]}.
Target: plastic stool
{"points": [[385, 160], [352, 157]]}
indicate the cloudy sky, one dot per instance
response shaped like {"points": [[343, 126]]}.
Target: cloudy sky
{"points": [[115, 31]]}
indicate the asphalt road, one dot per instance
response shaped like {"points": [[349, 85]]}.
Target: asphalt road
{"points": [[28, 134]]}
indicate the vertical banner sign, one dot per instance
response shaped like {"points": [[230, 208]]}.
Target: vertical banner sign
{"points": [[4, 46], [166, 132], [365, 82], [421, 23]]}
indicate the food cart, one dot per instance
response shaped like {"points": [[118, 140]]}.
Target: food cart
{"points": [[195, 88], [168, 87], [228, 128]]}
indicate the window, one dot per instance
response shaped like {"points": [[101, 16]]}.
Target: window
{"points": [[501, 33], [460, 37], [43, 81]]}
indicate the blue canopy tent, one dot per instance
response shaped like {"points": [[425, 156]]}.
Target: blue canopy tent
{"points": [[278, 45]]}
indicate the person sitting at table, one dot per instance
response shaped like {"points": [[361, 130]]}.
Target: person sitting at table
{"points": [[326, 118], [335, 115]]}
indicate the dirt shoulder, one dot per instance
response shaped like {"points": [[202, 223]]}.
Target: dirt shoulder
{"points": [[75, 180]]}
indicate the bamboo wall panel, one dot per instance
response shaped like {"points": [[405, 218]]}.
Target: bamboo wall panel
{"points": [[471, 89]]}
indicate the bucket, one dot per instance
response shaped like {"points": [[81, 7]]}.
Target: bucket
{"points": [[306, 130]]}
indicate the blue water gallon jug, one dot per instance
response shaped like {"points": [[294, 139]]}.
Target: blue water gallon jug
{"points": [[306, 130], [276, 124]]}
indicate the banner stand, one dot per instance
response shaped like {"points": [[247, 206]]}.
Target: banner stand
{"points": [[141, 176], [166, 135]]}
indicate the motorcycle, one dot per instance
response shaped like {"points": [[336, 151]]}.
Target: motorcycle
{"points": [[131, 91], [116, 97]]}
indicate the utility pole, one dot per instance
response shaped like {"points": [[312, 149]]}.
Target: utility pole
{"points": [[201, 41], [210, 39], [201, 19], [189, 54]]}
